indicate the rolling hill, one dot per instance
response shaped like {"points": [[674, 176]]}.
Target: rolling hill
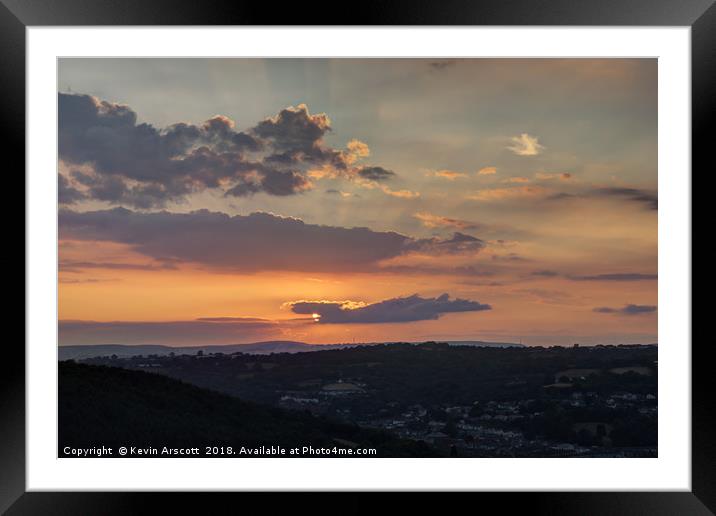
{"points": [[109, 406]]}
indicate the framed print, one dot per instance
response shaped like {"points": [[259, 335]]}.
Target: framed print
{"points": [[434, 250]]}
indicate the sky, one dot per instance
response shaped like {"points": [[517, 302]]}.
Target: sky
{"points": [[218, 201]]}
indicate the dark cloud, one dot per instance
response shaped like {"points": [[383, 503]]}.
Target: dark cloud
{"points": [[76, 266], [457, 243], [160, 165], [85, 280], [461, 270], [294, 129], [196, 332], [477, 283], [255, 242], [296, 136], [562, 196], [66, 193], [628, 276], [401, 309], [136, 164], [114, 189], [647, 198], [616, 277], [274, 182], [509, 257], [375, 173], [545, 273], [339, 193], [626, 310]]}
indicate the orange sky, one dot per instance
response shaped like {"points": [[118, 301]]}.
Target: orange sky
{"points": [[523, 189]]}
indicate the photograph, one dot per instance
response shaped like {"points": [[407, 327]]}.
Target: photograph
{"points": [[357, 257]]}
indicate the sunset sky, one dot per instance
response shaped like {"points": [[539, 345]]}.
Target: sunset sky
{"points": [[208, 201]]}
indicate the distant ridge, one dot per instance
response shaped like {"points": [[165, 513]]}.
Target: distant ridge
{"points": [[127, 350], [483, 344], [255, 348]]}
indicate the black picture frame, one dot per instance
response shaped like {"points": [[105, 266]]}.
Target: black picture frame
{"points": [[16, 15]]}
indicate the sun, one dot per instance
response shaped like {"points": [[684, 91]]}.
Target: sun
{"points": [[316, 317]]}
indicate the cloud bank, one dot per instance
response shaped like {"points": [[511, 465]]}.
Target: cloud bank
{"points": [[195, 332], [626, 310], [401, 309], [646, 198], [616, 277], [252, 243]]}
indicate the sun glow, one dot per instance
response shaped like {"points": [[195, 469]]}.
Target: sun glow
{"points": [[316, 317]]}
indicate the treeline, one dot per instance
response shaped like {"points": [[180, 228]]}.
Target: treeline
{"points": [[429, 374]]}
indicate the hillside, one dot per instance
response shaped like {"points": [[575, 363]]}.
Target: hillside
{"points": [[114, 407], [429, 374]]}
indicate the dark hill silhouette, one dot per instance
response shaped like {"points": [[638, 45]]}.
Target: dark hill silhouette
{"points": [[109, 406], [124, 350], [255, 348]]}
